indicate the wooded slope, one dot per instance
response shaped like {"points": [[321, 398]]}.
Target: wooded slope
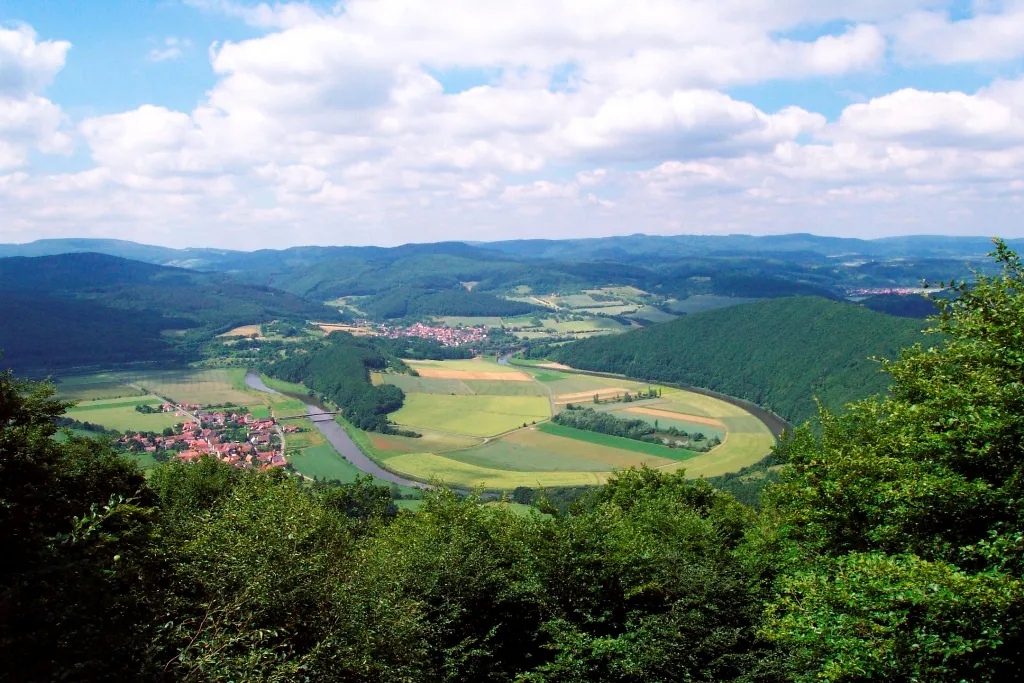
{"points": [[778, 353]]}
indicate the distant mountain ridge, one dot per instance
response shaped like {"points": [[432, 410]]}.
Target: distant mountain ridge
{"points": [[70, 310], [596, 248]]}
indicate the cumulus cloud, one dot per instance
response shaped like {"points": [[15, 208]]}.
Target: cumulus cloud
{"points": [[27, 119], [995, 35], [172, 48], [395, 120]]}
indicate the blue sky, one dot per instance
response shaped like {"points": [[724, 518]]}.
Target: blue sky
{"points": [[228, 123]]}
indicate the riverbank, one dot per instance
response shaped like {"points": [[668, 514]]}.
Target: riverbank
{"points": [[336, 436]]}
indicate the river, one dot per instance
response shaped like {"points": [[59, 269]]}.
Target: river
{"points": [[337, 436]]}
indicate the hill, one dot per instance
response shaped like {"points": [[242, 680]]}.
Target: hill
{"points": [[778, 353], [92, 309]]}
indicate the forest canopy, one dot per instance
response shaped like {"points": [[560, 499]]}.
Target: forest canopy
{"points": [[890, 549]]}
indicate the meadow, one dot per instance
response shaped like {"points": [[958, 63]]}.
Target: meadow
{"points": [[546, 454], [91, 387], [471, 415], [205, 387], [120, 414]]}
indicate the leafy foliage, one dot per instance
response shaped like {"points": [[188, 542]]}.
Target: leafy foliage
{"points": [[896, 534]]}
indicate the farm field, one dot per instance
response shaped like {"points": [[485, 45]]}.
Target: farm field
{"points": [[553, 455], [243, 331], [206, 387], [120, 414], [91, 387], [323, 462], [547, 454], [617, 442], [471, 415], [467, 321]]}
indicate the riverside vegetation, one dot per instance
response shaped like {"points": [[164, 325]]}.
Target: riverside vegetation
{"points": [[891, 549]]}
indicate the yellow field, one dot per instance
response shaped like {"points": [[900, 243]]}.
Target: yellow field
{"points": [[427, 466], [471, 415], [243, 331], [205, 387], [654, 412], [357, 331], [442, 373], [603, 394]]}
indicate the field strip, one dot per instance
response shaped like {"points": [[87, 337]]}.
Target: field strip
{"points": [[654, 412], [562, 398], [441, 373], [553, 366]]}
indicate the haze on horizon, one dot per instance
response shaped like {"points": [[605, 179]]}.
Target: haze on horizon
{"points": [[239, 125]]}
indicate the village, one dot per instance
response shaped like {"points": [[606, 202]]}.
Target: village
{"points": [[237, 439], [446, 336]]}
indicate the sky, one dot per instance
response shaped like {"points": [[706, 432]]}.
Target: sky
{"points": [[244, 125]]}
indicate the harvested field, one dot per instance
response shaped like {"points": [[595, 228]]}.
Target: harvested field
{"points": [[603, 393], [357, 331], [553, 366], [443, 373], [654, 412], [243, 331], [501, 388], [205, 387]]}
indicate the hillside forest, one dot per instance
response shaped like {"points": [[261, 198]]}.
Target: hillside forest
{"points": [[889, 550]]}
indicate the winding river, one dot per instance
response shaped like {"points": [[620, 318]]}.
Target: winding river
{"points": [[336, 435]]}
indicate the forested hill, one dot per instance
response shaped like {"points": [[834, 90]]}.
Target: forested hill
{"points": [[779, 353], [91, 309]]}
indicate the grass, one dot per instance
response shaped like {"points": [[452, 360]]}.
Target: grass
{"points": [[123, 417], [617, 442], [487, 387], [302, 440], [205, 387], [427, 465], [323, 462], [91, 387], [425, 385], [430, 441], [102, 403], [471, 415], [478, 364]]}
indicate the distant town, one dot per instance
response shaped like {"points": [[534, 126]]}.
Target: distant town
{"points": [[446, 336], [237, 439]]}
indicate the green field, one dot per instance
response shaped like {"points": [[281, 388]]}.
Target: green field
{"points": [[120, 414], [617, 442], [424, 385], [91, 387], [552, 455], [323, 462], [471, 415], [426, 466], [464, 321], [205, 387]]}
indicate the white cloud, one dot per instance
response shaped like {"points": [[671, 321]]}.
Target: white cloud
{"points": [[341, 125], [28, 120], [994, 35], [171, 49]]}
